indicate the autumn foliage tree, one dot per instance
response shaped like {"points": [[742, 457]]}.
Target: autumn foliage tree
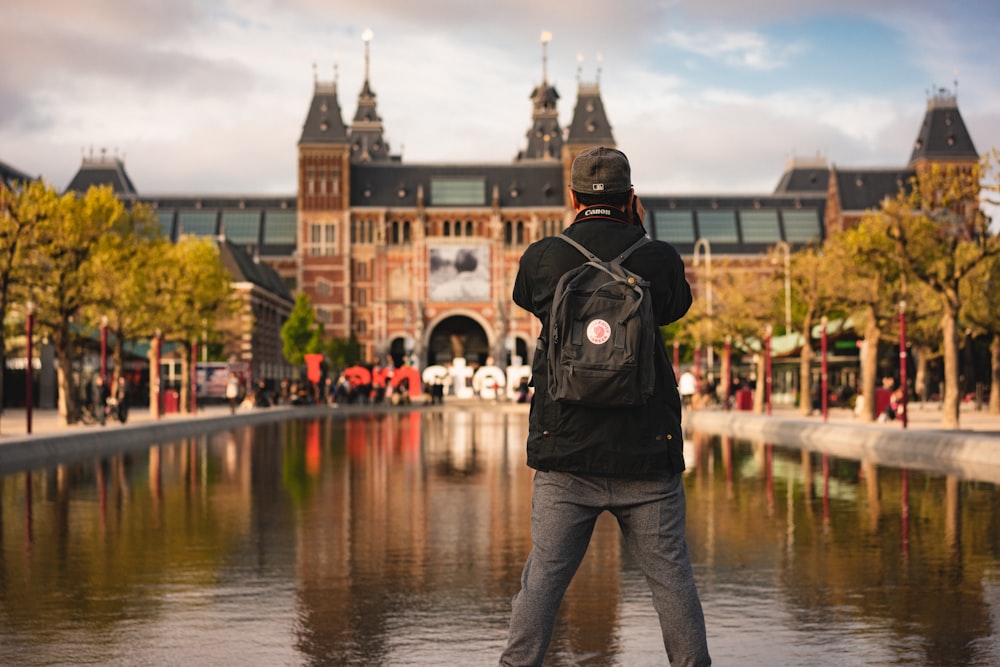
{"points": [[942, 238]]}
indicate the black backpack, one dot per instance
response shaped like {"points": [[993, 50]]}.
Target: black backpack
{"points": [[601, 334]]}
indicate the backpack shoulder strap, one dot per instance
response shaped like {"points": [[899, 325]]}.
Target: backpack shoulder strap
{"points": [[579, 246], [623, 255]]}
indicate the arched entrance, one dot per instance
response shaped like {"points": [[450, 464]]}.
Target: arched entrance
{"points": [[400, 349], [458, 336]]}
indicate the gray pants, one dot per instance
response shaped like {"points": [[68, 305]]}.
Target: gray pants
{"points": [[651, 515]]}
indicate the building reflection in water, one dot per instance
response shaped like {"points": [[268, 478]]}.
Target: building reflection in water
{"points": [[399, 538]]}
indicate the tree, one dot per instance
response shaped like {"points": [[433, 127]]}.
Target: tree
{"points": [[981, 314], [69, 228], [813, 289], [123, 272], [743, 306], [869, 288], [941, 236], [20, 215], [195, 291], [299, 335]]}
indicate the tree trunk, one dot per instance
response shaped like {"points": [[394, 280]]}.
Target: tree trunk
{"points": [[759, 398], [69, 405], [995, 374], [869, 369], [951, 401], [185, 393], [920, 382]]}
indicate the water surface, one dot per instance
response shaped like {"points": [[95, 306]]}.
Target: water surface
{"points": [[398, 539]]}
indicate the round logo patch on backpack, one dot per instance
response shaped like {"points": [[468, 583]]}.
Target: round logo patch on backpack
{"points": [[598, 332]]}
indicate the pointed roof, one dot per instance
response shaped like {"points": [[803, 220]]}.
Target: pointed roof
{"points": [[324, 122], [9, 176], [103, 170], [590, 122], [943, 136], [545, 135], [367, 141]]}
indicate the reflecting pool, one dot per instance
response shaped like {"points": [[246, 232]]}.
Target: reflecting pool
{"points": [[398, 539]]}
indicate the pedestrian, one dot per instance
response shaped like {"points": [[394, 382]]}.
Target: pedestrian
{"points": [[626, 460], [121, 399], [688, 385], [233, 392], [99, 399]]}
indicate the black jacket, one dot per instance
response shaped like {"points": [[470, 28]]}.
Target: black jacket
{"points": [[635, 441]]}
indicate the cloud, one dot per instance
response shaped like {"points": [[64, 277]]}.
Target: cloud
{"points": [[741, 49]]}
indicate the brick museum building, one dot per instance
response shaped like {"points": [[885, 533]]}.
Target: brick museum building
{"points": [[418, 260]]}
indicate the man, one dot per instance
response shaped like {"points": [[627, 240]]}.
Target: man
{"points": [[99, 399], [626, 460]]}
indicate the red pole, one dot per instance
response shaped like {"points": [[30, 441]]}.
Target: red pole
{"points": [[154, 376], [824, 377], [677, 356], [697, 369], [767, 369], [29, 380], [194, 376], [729, 371], [902, 358]]}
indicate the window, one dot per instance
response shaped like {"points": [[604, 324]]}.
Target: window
{"points": [[801, 225], [279, 227], [717, 226], [323, 239], [673, 226], [760, 226], [199, 223], [458, 191], [166, 219], [242, 227]]}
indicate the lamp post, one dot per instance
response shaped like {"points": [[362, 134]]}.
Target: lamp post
{"points": [[706, 247], [902, 359], [104, 346], [824, 378], [28, 380], [787, 252]]}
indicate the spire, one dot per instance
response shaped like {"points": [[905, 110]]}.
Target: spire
{"points": [[943, 136], [590, 124], [324, 122], [367, 141], [545, 136]]}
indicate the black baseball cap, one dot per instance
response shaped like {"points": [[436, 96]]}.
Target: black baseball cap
{"points": [[601, 170]]}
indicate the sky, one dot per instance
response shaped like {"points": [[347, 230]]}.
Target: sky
{"points": [[705, 96]]}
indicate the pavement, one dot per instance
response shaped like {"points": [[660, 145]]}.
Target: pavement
{"points": [[971, 451]]}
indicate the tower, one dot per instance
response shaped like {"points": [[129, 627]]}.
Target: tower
{"points": [[545, 136], [943, 137], [324, 209], [367, 142], [589, 127]]}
